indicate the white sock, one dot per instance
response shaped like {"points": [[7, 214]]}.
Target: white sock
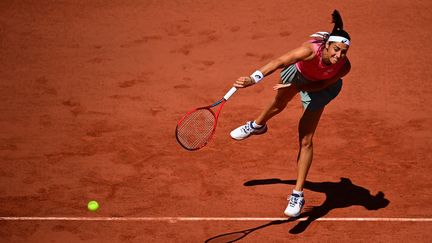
{"points": [[300, 193], [254, 125]]}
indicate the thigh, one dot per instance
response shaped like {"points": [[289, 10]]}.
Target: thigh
{"points": [[309, 122], [284, 95], [319, 99]]}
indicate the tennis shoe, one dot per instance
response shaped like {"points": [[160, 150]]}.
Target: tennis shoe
{"points": [[247, 130], [295, 205]]}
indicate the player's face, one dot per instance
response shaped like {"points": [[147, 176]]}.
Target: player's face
{"points": [[334, 52]]}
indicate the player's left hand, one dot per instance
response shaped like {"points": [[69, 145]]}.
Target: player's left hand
{"points": [[281, 86]]}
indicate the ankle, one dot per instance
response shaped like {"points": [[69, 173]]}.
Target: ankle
{"points": [[300, 193], [255, 125]]}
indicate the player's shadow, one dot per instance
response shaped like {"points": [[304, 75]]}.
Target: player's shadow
{"points": [[340, 194]]}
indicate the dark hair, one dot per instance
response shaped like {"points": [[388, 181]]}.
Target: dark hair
{"points": [[338, 25]]}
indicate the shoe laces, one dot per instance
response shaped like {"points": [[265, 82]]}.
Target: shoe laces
{"points": [[247, 128], [294, 200]]}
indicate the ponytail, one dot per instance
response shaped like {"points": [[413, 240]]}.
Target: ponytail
{"points": [[338, 34], [337, 20], [338, 25]]}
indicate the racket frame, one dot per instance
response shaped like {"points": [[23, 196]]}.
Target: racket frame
{"points": [[220, 102]]}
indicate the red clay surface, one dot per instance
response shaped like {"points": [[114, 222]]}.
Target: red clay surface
{"points": [[91, 92]]}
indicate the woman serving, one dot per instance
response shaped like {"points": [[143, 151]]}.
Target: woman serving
{"points": [[315, 70]]}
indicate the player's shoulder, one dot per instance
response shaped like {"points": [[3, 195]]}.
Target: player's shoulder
{"points": [[313, 43], [308, 44], [310, 48]]}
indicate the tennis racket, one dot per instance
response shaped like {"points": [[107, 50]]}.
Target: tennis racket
{"points": [[195, 129]]}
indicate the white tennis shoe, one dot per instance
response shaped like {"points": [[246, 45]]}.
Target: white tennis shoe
{"points": [[295, 205], [247, 130]]}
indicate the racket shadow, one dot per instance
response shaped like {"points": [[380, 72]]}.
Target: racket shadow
{"points": [[238, 235]]}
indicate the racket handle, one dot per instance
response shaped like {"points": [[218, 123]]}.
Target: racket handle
{"points": [[230, 92]]}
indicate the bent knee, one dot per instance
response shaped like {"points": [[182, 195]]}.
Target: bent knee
{"points": [[306, 141]]}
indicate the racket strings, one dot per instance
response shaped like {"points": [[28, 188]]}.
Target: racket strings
{"points": [[196, 129]]}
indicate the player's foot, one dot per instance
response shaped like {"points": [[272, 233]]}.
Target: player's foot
{"points": [[295, 205], [245, 131]]}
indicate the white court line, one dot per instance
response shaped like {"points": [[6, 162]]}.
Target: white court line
{"points": [[177, 219]]}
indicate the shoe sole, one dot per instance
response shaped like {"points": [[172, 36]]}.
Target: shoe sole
{"points": [[293, 216]]}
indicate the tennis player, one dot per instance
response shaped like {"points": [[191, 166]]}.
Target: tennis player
{"points": [[315, 70]]}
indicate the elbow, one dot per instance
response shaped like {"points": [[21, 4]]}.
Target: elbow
{"points": [[278, 63]]}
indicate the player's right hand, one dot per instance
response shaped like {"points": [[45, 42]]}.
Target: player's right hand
{"points": [[243, 82]]}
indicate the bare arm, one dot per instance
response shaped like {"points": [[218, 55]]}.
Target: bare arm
{"points": [[301, 53], [304, 52], [319, 85]]}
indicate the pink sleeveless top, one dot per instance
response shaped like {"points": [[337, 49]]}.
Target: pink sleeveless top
{"points": [[315, 69]]}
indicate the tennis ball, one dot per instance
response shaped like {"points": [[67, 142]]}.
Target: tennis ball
{"points": [[93, 206]]}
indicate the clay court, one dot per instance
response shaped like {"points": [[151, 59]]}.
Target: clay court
{"points": [[91, 92]]}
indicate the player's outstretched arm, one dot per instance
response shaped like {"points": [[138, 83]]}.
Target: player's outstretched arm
{"points": [[303, 52]]}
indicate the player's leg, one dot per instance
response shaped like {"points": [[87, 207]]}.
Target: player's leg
{"points": [[258, 126], [314, 103], [281, 100], [307, 126]]}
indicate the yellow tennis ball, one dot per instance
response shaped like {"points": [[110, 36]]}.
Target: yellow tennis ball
{"points": [[93, 206]]}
